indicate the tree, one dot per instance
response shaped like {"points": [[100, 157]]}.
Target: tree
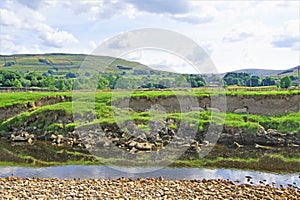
{"points": [[285, 82], [102, 83], [268, 81], [234, 78], [16, 83], [254, 81], [60, 84]]}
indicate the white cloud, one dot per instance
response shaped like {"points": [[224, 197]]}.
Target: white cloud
{"points": [[9, 18], [162, 6], [93, 44], [54, 37], [193, 19], [10, 46], [288, 36], [119, 42], [97, 10], [208, 46], [247, 29], [236, 36], [33, 22], [33, 4]]}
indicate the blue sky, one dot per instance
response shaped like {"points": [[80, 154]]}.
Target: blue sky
{"points": [[235, 34]]}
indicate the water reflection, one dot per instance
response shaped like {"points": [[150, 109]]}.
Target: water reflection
{"points": [[83, 172]]}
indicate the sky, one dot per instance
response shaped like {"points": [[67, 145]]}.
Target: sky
{"points": [[234, 34]]}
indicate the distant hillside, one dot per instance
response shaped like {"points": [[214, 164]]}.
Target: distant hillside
{"points": [[259, 72], [292, 71], [60, 64], [268, 72]]}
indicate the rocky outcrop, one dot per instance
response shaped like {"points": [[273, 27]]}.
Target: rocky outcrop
{"points": [[270, 137], [129, 137]]}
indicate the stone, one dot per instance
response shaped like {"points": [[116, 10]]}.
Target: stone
{"points": [[144, 146]]}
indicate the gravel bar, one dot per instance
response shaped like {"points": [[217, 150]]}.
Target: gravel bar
{"points": [[127, 188]]}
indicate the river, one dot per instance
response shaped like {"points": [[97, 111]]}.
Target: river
{"points": [[105, 172]]}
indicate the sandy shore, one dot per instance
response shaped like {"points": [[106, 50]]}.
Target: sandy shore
{"points": [[51, 188]]}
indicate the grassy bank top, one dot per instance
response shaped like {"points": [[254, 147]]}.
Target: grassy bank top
{"points": [[14, 98]]}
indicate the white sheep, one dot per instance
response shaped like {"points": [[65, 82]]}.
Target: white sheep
{"points": [[241, 110]]}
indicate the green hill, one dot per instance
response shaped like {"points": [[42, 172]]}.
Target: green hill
{"points": [[61, 64]]}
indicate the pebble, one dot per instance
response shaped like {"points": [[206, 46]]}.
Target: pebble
{"points": [[125, 188]]}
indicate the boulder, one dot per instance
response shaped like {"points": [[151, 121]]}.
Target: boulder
{"points": [[30, 141]]}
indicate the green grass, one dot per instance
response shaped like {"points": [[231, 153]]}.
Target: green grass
{"points": [[284, 123], [10, 98], [15, 98]]}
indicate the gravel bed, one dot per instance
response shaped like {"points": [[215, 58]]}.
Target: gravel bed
{"points": [[126, 188]]}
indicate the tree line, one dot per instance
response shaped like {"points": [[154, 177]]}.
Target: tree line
{"points": [[244, 79], [72, 81]]}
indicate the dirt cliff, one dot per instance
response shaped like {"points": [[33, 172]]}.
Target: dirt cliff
{"points": [[256, 104]]}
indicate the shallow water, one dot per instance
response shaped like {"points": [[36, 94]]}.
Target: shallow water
{"points": [[105, 172]]}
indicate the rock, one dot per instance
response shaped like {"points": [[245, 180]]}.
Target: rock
{"points": [[30, 141], [133, 150], [263, 147], [132, 144], [272, 132], [60, 139], [144, 146], [19, 138], [261, 130], [53, 136]]}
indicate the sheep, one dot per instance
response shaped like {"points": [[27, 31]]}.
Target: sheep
{"points": [[241, 110]]}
